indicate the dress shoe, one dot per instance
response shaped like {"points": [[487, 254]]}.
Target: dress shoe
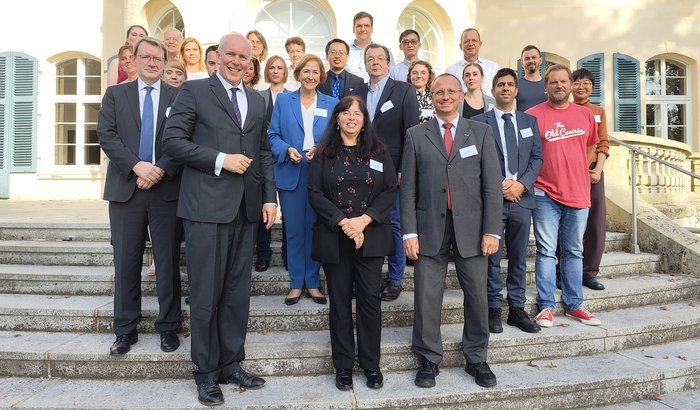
{"points": [[289, 301], [187, 300], [375, 379], [210, 393], [483, 375], [261, 265], [391, 292], [425, 377], [592, 283], [243, 379], [321, 300], [495, 325], [343, 379], [518, 317], [169, 342], [123, 344]]}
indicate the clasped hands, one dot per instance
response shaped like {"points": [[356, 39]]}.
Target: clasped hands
{"points": [[147, 174], [354, 228], [513, 190], [295, 156]]}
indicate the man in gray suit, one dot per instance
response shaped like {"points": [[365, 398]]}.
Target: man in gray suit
{"points": [[450, 200], [217, 129]]}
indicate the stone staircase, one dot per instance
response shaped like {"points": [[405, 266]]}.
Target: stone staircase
{"points": [[56, 315]]}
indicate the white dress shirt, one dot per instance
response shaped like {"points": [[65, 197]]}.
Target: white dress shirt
{"points": [[242, 107], [488, 66], [155, 97], [308, 115], [501, 124]]}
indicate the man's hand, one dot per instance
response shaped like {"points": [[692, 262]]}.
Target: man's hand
{"points": [[310, 154], [143, 184], [355, 226], [269, 213], [236, 163], [148, 173], [513, 190], [489, 245], [294, 155], [595, 175], [410, 246]]}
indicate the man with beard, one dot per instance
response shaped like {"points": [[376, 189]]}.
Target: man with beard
{"points": [[531, 88], [562, 195]]}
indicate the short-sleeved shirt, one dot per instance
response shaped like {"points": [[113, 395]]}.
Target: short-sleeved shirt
{"points": [[530, 93], [565, 134]]}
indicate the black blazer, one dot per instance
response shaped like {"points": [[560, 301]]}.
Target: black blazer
{"points": [[119, 133], [391, 125], [351, 83], [326, 232], [200, 126]]}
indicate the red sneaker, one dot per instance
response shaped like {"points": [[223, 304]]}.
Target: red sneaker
{"points": [[545, 318], [584, 316]]}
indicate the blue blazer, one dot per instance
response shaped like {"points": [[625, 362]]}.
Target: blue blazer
{"points": [[287, 130], [529, 151]]}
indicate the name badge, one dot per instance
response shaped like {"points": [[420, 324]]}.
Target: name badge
{"points": [[321, 112], [167, 112], [469, 151], [387, 106], [427, 112], [376, 165], [597, 118], [526, 133], [539, 192]]}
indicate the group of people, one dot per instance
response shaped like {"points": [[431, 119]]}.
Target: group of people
{"points": [[369, 160]]}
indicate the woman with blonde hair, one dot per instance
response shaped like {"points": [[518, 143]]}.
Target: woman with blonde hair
{"points": [[174, 73], [192, 57]]}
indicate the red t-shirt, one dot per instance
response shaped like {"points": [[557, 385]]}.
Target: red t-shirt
{"points": [[565, 134]]}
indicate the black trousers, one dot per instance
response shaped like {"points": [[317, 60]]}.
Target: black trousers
{"points": [[128, 222], [365, 274], [219, 257]]}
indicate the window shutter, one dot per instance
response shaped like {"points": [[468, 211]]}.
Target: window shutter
{"points": [[595, 64], [521, 71], [627, 102], [543, 67], [4, 143], [24, 101]]}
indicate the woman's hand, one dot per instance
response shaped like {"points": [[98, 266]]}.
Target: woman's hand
{"points": [[310, 153], [355, 226], [294, 155]]}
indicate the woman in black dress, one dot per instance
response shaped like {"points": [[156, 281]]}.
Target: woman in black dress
{"points": [[352, 188]]}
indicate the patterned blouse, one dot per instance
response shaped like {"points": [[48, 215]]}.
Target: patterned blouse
{"points": [[425, 105], [353, 182]]}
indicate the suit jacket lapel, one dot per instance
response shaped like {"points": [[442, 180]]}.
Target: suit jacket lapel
{"points": [[388, 88], [462, 136], [163, 104], [296, 108], [222, 95], [435, 137], [493, 122], [132, 96]]}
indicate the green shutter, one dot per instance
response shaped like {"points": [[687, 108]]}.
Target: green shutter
{"points": [[24, 102], [4, 143], [627, 102], [595, 64]]}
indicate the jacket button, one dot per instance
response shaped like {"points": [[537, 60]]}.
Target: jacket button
{"points": [[442, 215], [444, 190]]}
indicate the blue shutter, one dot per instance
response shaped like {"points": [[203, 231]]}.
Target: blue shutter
{"points": [[24, 102], [4, 142], [595, 64], [627, 102]]}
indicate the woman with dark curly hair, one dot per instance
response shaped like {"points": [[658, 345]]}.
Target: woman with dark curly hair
{"points": [[352, 188]]}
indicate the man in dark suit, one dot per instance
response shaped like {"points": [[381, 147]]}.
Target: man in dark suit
{"points": [[520, 153], [142, 189], [450, 200], [339, 82], [393, 108], [217, 129]]}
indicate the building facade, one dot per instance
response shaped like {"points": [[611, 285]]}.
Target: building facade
{"points": [[52, 75]]}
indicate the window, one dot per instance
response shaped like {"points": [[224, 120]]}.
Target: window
{"points": [[309, 20], [77, 107], [170, 18], [668, 100], [413, 18]]}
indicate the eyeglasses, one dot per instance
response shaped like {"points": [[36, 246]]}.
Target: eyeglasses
{"points": [[409, 42], [372, 60], [156, 60], [582, 84], [340, 53], [348, 114], [449, 92]]}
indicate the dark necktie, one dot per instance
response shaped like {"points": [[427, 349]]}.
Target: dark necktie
{"points": [[146, 142], [336, 86], [448, 147], [511, 143], [234, 103]]}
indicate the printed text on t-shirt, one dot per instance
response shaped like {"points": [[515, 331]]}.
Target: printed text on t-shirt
{"points": [[560, 132]]}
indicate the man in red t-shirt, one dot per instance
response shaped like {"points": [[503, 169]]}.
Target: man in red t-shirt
{"points": [[562, 195]]}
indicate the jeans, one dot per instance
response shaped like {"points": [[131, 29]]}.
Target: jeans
{"points": [[397, 261], [552, 221]]}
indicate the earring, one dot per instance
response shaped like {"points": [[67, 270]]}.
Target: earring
{"points": [[337, 127], [363, 129]]}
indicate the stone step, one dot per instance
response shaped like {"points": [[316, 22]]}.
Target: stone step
{"points": [[582, 382], [670, 400], [65, 313], [98, 280], [81, 251]]}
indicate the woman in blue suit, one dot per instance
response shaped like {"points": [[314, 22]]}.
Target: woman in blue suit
{"points": [[297, 125]]}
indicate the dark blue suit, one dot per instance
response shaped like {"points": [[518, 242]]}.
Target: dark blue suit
{"points": [[516, 216], [287, 129]]}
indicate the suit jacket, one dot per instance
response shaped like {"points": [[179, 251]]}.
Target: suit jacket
{"points": [[351, 83], [201, 125], [472, 175], [119, 133], [391, 125], [326, 232], [287, 129], [269, 104], [529, 151]]}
